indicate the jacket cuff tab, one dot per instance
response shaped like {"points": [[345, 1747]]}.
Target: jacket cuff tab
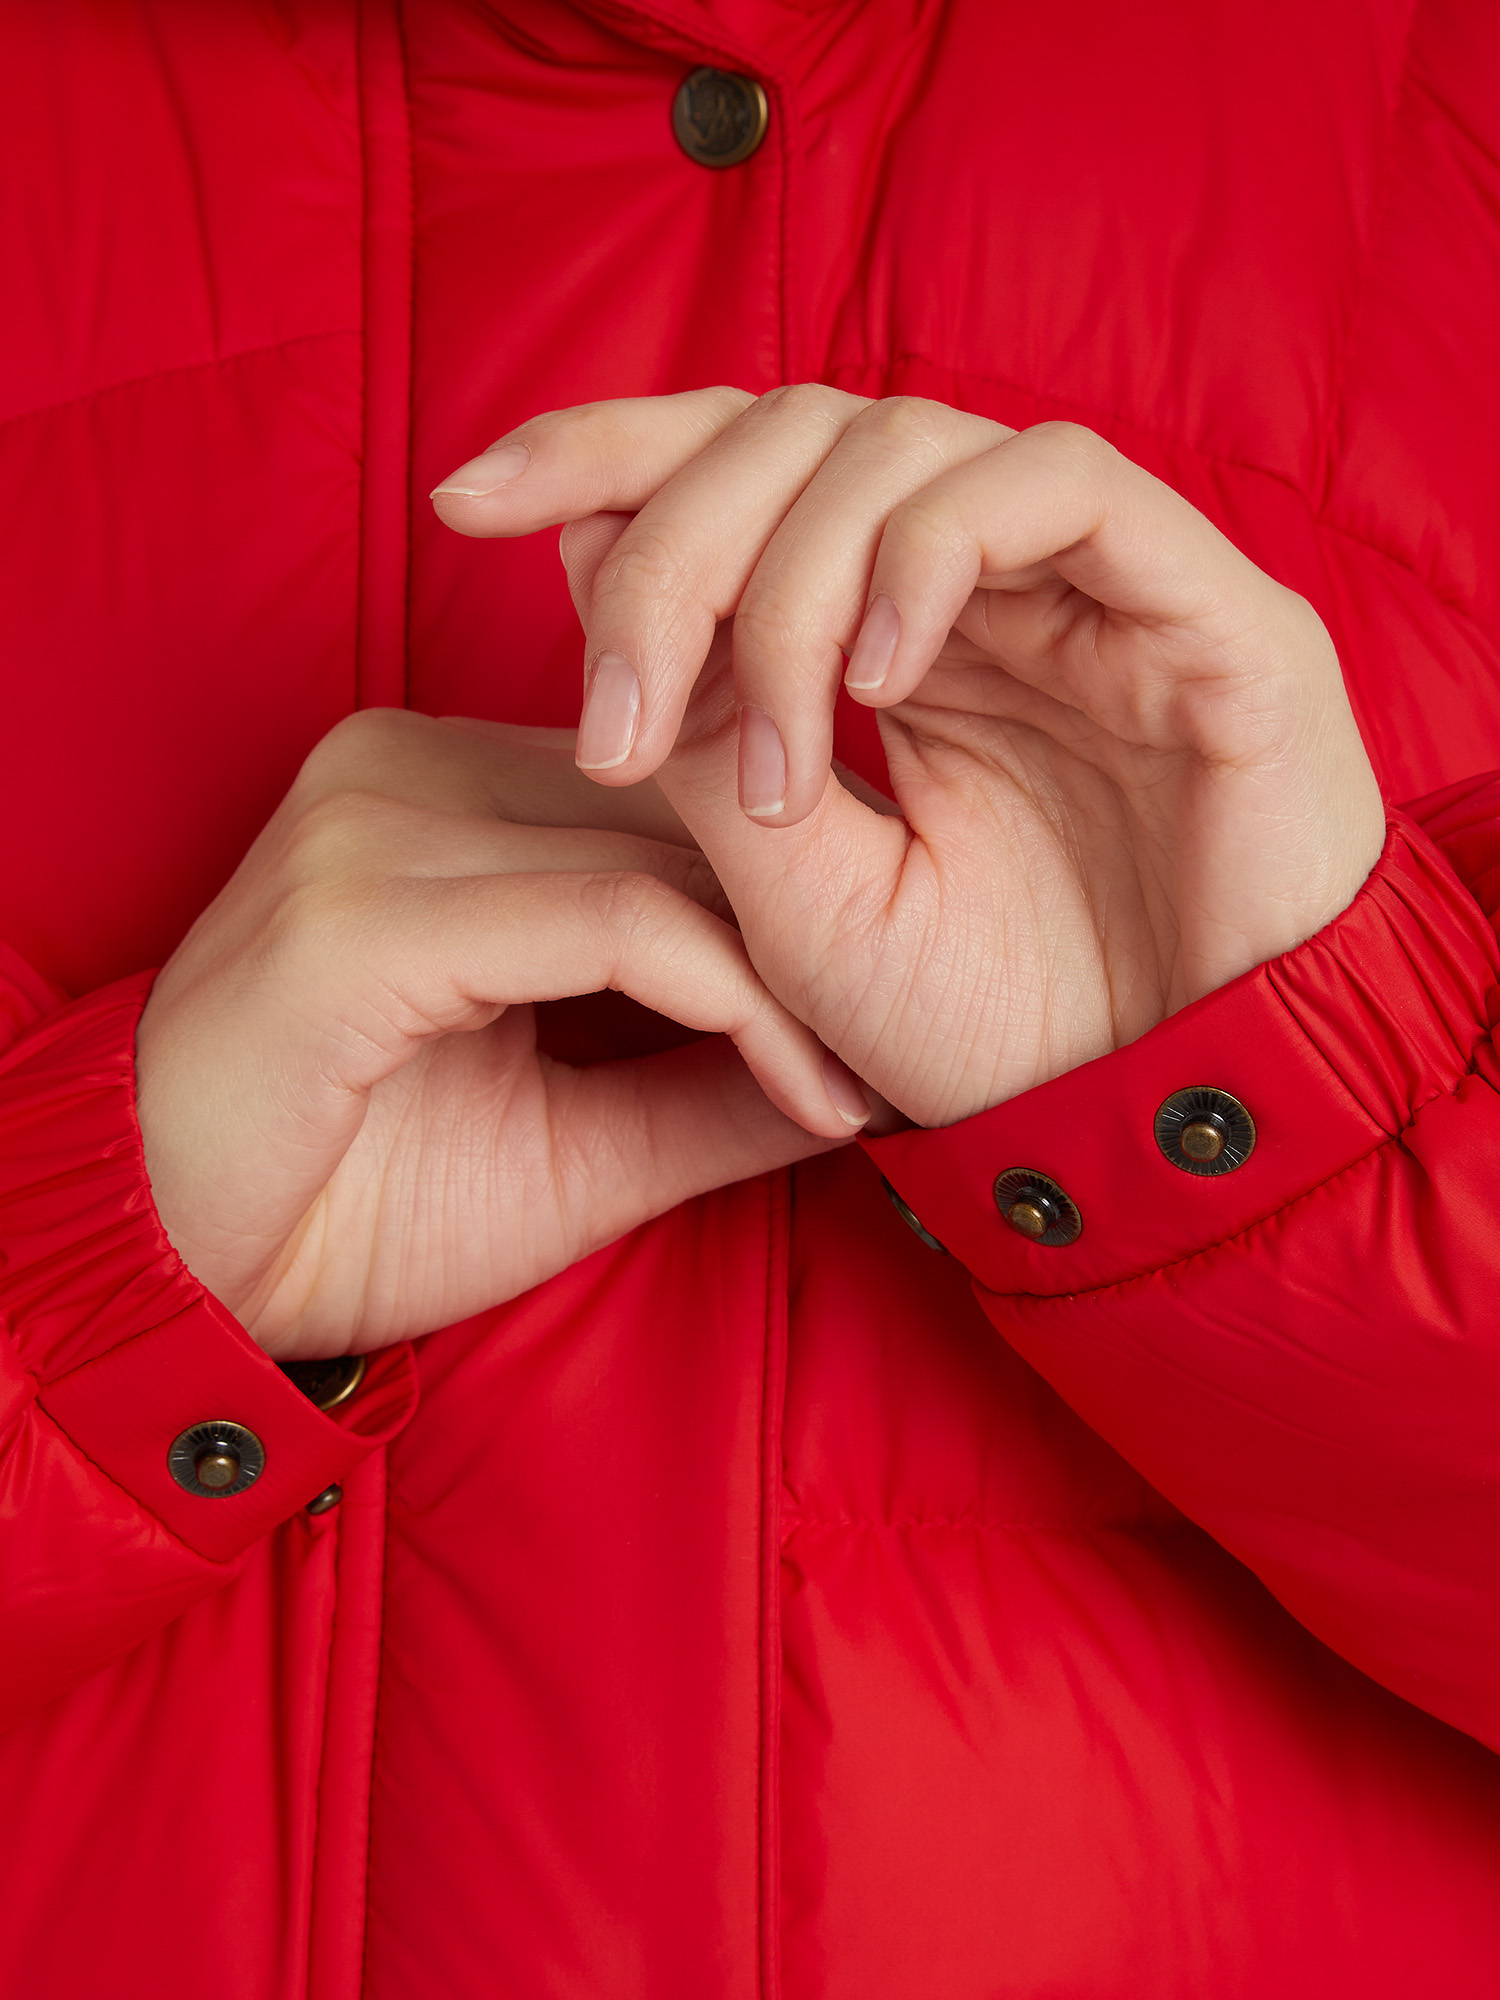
{"points": [[125, 1411], [124, 1349], [1330, 1049]]}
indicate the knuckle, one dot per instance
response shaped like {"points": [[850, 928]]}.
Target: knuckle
{"points": [[811, 403], [923, 519], [621, 901], [1304, 620], [607, 897], [721, 404], [771, 618], [367, 732], [362, 744], [905, 423], [306, 931], [644, 563], [340, 831], [1075, 444]]}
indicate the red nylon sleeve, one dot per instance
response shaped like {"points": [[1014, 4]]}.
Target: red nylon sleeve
{"points": [[109, 1348], [1303, 1354]]}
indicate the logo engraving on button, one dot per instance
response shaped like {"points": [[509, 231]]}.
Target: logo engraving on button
{"points": [[1037, 1208], [1204, 1131], [216, 1460], [719, 117]]}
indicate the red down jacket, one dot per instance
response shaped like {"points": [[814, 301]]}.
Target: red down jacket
{"points": [[766, 1606]]}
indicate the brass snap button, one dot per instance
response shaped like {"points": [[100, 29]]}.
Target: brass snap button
{"points": [[909, 1217], [326, 1500], [1205, 1131], [216, 1460], [330, 1381], [1037, 1208], [718, 117]]}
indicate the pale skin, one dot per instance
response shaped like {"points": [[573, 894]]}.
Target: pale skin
{"points": [[1124, 767], [350, 1133], [1124, 759]]}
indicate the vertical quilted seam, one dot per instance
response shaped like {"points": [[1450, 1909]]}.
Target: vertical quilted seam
{"points": [[341, 1850], [387, 234], [1338, 379], [773, 1410], [666, 27], [341, 1854]]}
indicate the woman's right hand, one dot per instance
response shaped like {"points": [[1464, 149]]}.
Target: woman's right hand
{"points": [[350, 1132]]}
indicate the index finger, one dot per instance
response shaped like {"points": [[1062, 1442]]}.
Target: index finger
{"points": [[496, 770], [595, 458]]}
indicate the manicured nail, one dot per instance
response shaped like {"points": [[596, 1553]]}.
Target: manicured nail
{"points": [[611, 713], [762, 765], [875, 648], [487, 473], [845, 1091]]}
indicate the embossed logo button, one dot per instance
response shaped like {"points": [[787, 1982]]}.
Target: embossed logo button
{"points": [[216, 1459], [1204, 1131], [719, 117], [327, 1382], [1037, 1208]]}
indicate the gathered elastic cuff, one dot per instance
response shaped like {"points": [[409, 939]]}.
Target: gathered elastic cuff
{"points": [[1331, 1050], [124, 1349]]}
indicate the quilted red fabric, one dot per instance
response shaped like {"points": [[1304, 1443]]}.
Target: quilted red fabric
{"points": [[767, 1606]]}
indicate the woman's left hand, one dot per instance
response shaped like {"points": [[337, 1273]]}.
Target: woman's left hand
{"points": [[1125, 762]]}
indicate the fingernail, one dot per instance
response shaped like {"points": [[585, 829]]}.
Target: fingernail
{"points": [[875, 648], [611, 712], [485, 474], [845, 1091], [762, 764]]}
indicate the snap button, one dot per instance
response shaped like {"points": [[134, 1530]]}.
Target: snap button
{"points": [[330, 1381], [909, 1217], [327, 1499], [1204, 1131], [1037, 1208], [216, 1460], [718, 117]]}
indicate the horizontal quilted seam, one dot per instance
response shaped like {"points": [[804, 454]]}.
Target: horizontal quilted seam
{"points": [[1483, 639], [180, 368], [1098, 416], [963, 1524], [1451, 118]]}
